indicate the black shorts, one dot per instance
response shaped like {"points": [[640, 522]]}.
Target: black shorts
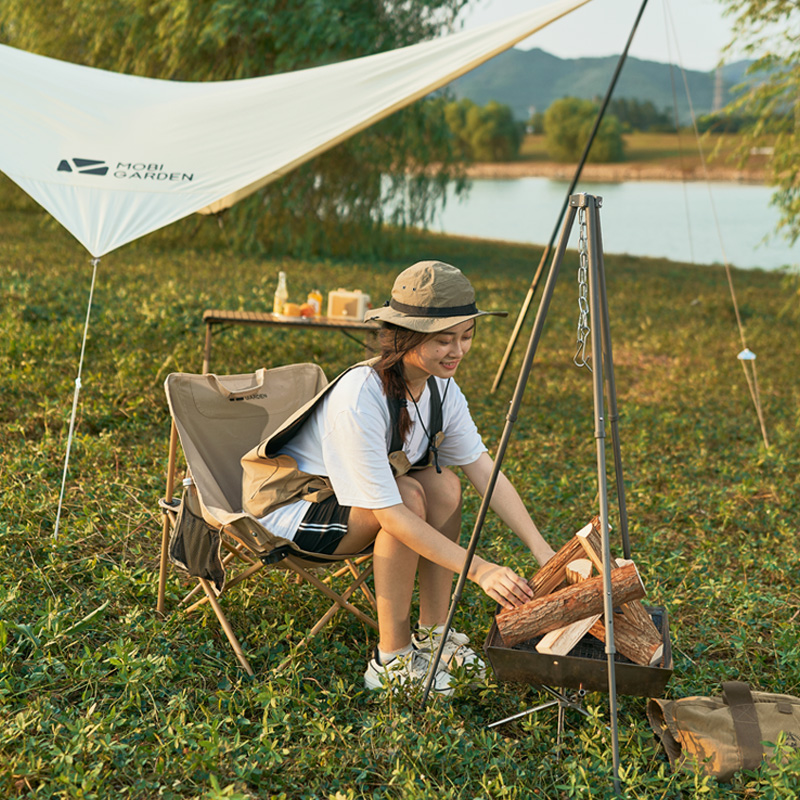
{"points": [[323, 527]]}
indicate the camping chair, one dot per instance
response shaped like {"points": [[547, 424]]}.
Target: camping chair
{"points": [[218, 418]]}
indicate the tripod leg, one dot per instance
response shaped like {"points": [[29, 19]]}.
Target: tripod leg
{"points": [[511, 417], [597, 376], [613, 413]]}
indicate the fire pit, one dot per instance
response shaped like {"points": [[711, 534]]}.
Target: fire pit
{"points": [[584, 667]]}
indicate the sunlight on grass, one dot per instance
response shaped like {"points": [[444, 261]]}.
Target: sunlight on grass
{"points": [[100, 698]]}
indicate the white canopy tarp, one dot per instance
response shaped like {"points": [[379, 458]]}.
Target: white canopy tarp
{"points": [[113, 157]]}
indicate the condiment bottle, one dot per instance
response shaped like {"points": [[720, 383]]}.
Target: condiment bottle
{"points": [[315, 299], [281, 294]]}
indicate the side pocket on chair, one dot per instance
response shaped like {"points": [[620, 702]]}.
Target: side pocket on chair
{"points": [[194, 547]]}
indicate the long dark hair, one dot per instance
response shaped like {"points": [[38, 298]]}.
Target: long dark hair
{"points": [[395, 342]]}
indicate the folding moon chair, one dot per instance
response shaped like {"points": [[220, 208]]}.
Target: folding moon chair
{"points": [[218, 418]]}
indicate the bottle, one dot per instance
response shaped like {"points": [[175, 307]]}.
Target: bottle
{"points": [[315, 300], [281, 294]]}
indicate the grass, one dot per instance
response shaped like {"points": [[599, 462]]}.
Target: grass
{"points": [[100, 698]]}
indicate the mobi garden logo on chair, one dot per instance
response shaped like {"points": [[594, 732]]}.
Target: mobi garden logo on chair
{"points": [[126, 170]]}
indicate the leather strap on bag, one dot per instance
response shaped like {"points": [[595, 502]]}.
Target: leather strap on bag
{"points": [[745, 723]]}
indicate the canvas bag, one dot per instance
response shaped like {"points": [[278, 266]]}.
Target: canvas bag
{"points": [[721, 735]]}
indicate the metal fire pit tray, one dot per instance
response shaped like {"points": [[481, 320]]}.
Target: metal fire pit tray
{"points": [[584, 667]]}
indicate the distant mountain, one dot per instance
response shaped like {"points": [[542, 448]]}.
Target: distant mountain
{"points": [[533, 79]]}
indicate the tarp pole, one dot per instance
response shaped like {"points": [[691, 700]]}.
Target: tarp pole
{"points": [[523, 313], [95, 262]]}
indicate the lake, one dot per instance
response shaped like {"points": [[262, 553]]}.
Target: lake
{"points": [[645, 218]]}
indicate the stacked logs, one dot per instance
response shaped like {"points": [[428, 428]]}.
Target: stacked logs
{"points": [[568, 603]]}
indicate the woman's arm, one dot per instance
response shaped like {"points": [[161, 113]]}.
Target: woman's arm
{"points": [[508, 505], [502, 584]]}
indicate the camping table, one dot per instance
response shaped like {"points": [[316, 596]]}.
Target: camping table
{"points": [[213, 317]]}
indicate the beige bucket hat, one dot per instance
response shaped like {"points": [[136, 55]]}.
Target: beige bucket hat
{"points": [[430, 296]]}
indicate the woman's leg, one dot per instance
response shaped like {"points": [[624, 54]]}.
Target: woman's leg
{"points": [[436, 498], [443, 495], [395, 566]]}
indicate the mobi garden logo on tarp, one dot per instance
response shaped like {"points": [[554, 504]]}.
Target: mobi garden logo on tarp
{"points": [[124, 170], [88, 166]]}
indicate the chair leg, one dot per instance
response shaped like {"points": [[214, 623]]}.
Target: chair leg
{"points": [[225, 561], [226, 627], [364, 588], [351, 565], [243, 575], [340, 600], [337, 606], [162, 572]]}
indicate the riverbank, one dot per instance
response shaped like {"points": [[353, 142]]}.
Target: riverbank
{"points": [[649, 156], [614, 173]]}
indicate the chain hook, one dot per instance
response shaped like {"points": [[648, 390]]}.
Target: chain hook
{"points": [[580, 358]]}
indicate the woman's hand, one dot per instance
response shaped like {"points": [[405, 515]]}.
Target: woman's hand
{"points": [[503, 585]]}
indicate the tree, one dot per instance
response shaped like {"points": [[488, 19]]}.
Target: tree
{"points": [[767, 31], [335, 203], [568, 123], [635, 115], [483, 133]]}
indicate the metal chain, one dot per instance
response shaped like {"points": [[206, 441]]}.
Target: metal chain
{"points": [[583, 293]]}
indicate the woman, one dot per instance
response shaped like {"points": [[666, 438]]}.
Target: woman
{"points": [[364, 434]]}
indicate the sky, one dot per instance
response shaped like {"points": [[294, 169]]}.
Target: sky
{"points": [[698, 29]]}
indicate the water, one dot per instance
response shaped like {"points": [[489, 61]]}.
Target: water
{"points": [[644, 218]]}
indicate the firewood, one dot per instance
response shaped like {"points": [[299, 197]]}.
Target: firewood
{"points": [[637, 614], [560, 641], [579, 570], [553, 574], [634, 612], [631, 641], [544, 614], [592, 545]]}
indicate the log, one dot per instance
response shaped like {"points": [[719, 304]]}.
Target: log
{"points": [[560, 641], [637, 615], [579, 570], [553, 574], [634, 612], [592, 545], [631, 642], [544, 614]]}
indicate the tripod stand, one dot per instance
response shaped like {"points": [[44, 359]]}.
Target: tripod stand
{"points": [[594, 320], [560, 699]]}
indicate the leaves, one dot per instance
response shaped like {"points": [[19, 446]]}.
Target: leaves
{"points": [[767, 31]]}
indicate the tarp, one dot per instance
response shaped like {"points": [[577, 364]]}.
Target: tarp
{"points": [[113, 157]]}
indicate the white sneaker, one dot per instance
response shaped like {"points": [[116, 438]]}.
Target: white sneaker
{"points": [[411, 667], [456, 651]]}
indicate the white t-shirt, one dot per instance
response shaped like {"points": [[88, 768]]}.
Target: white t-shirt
{"points": [[347, 439]]}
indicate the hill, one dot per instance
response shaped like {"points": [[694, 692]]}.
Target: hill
{"points": [[526, 79]]}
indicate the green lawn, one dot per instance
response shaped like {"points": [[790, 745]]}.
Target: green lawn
{"points": [[101, 698]]}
